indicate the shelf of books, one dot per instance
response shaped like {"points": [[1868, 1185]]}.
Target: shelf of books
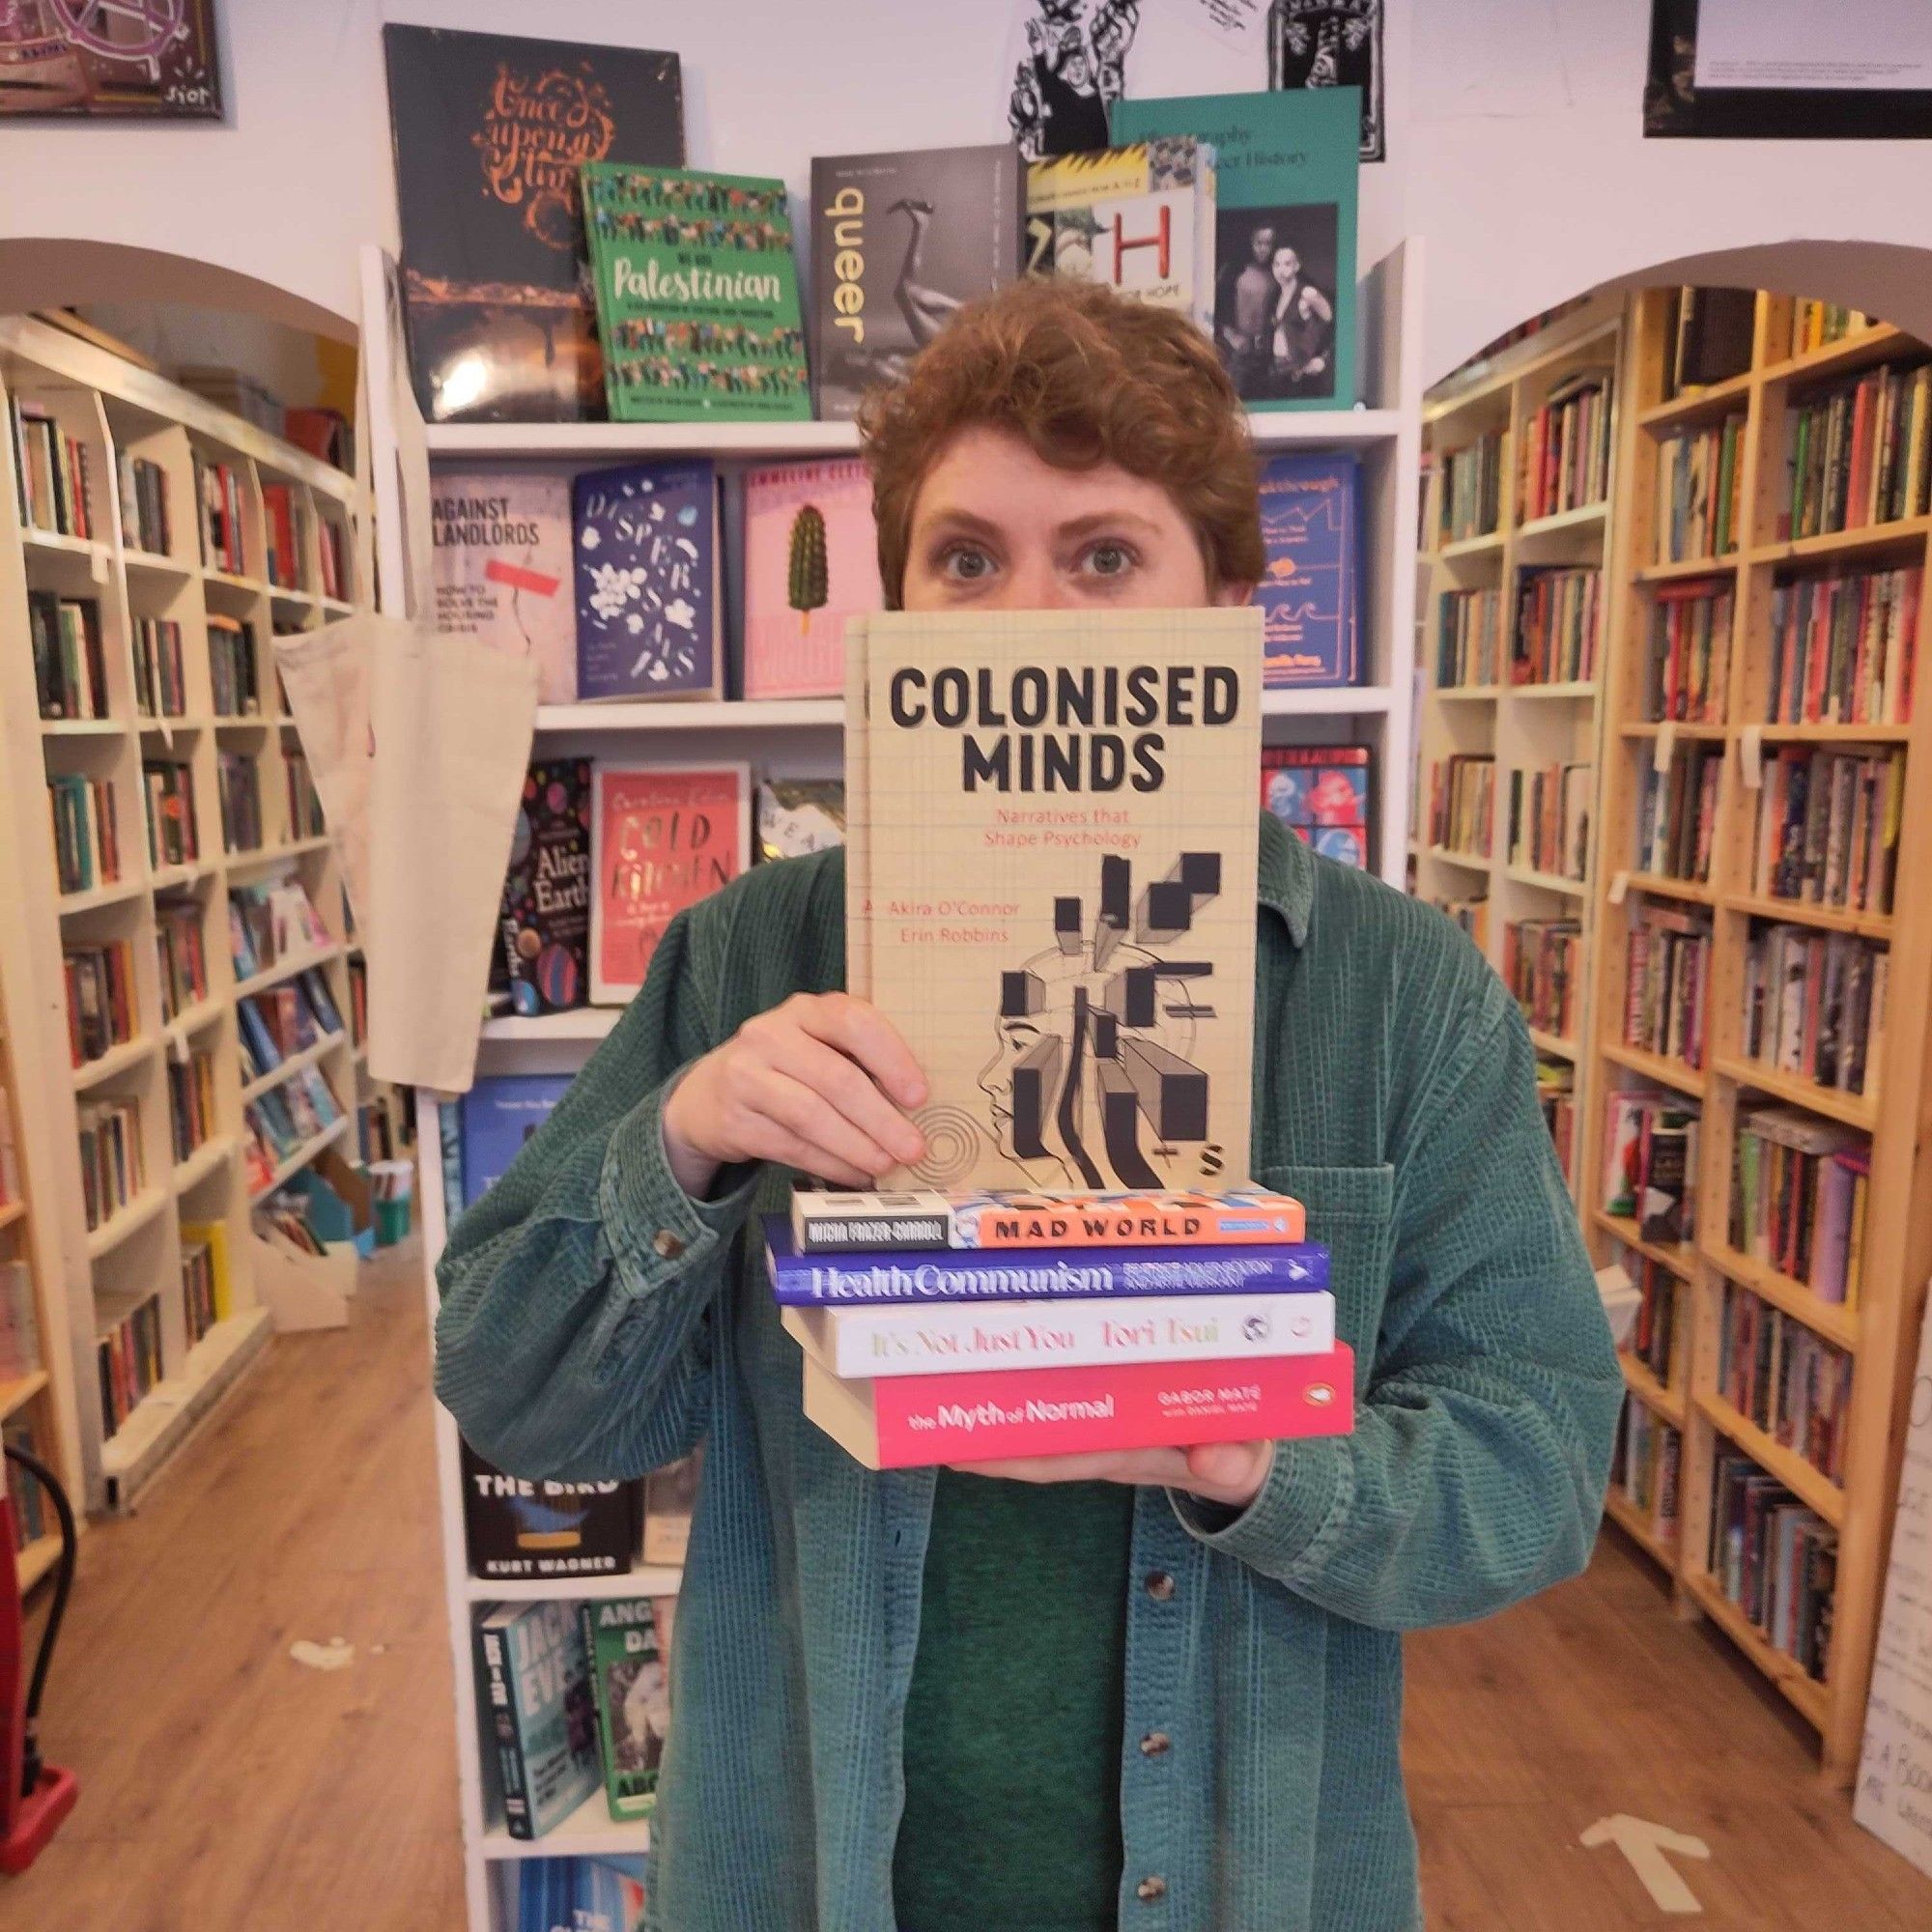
{"points": [[750, 722], [1758, 1047], [180, 926], [1522, 473]]}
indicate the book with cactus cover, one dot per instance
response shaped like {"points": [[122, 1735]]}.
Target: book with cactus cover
{"points": [[517, 1527], [546, 910], [628, 1673], [811, 560], [696, 296], [646, 544], [902, 241], [501, 549], [1310, 596], [1051, 854], [1138, 219]]}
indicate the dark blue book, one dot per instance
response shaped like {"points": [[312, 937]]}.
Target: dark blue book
{"points": [[1037, 1274], [645, 545], [1310, 595], [499, 1113]]}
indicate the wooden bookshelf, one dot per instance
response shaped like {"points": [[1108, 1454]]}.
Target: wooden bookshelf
{"points": [[114, 410], [1880, 1332], [1522, 726]]}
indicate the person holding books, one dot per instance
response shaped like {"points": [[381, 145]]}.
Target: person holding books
{"points": [[1076, 1692]]}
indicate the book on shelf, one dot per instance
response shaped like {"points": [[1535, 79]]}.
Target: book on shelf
{"points": [[1784, 1379], [517, 1526], [1565, 459], [1324, 794], [1549, 818], [1462, 802], [900, 241], [795, 817], [1544, 968], [1471, 498], [1677, 814], [1646, 1468], [1655, 1331], [218, 498], [1138, 219], [1283, 261], [1649, 1164], [1559, 616], [812, 561], [538, 1714], [190, 1102], [1814, 324], [1827, 830], [52, 470], [1773, 1558], [128, 1358], [489, 130], [1471, 916], [144, 505], [112, 1170], [670, 1501], [645, 541], [1800, 1187], [630, 1675], [87, 832], [1556, 1099], [1667, 983], [100, 997], [1468, 638], [202, 1299], [577, 1895], [269, 922], [1000, 769], [299, 792], [1844, 646], [545, 916], [233, 682], [239, 787], [1814, 1003], [69, 661], [492, 1122], [1860, 452], [1310, 590], [33, 1517], [161, 676], [174, 838], [19, 1327], [1711, 333], [661, 837], [698, 309], [183, 957], [288, 525], [1688, 651], [500, 549], [1699, 503]]}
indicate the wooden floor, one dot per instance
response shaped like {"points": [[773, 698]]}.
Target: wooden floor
{"points": [[225, 1786]]}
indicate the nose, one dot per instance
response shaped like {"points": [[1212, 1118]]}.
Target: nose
{"points": [[1032, 584]]}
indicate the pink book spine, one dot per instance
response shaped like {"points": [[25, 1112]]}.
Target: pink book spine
{"points": [[985, 1417]]}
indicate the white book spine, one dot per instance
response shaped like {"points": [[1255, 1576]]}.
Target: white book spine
{"points": [[954, 1338]]}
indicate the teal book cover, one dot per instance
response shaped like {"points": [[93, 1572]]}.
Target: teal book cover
{"points": [[1283, 235]]}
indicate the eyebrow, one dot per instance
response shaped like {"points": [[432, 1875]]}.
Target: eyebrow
{"points": [[948, 517]]}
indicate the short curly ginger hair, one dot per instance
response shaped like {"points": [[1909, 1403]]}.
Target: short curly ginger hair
{"points": [[1085, 376]]}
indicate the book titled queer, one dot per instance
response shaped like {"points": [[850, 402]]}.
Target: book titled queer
{"points": [[900, 1422]]}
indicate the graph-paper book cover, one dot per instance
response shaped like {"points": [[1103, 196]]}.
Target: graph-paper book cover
{"points": [[1051, 876]]}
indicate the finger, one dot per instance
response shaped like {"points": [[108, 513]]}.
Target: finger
{"points": [[785, 1149], [851, 1091], [858, 1027], [1229, 1471], [1159, 1467], [797, 1109]]}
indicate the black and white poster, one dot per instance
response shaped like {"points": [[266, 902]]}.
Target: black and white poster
{"points": [[1068, 63], [1331, 43]]}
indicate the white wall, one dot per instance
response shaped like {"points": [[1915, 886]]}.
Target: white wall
{"points": [[1514, 148]]}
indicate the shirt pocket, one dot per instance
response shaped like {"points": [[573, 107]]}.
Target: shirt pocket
{"points": [[1351, 1212]]}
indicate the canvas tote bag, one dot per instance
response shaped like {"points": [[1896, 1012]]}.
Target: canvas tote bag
{"points": [[417, 745]]}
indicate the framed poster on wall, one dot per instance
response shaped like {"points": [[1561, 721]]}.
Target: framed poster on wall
{"points": [[110, 59]]}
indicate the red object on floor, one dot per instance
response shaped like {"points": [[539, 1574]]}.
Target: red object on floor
{"points": [[27, 1820]]}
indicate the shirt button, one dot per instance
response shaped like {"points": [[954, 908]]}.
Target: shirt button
{"points": [[1154, 1743], [1159, 1586], [665, 1245], [1150, 1888]]}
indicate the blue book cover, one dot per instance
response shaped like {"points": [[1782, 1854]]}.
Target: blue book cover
{"points": [[1311, 595], [645, 544], [601, 1894], [537, 1674], [499, 1113], [1037, 1274]]}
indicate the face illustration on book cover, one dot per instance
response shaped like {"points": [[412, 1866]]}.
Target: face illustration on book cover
{"points": [[1274, 299], [1331, 43], [490, 131], [1073, 64]]}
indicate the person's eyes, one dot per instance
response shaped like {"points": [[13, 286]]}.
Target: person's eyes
{"points": [[964, 563], [1109, 558]]}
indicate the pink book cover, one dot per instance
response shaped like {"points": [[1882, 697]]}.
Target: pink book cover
{"points": [[500, 543], [811, 560], [899, 1422]]}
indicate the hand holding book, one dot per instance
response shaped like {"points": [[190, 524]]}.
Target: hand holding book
{"points": [[816, 1084], [1228, 1473]]}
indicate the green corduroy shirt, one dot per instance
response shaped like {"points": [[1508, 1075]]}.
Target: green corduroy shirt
{"points": [[596, 1321]]}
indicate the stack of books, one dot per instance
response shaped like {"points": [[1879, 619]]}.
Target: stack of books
{"points": [[964, 1329]]}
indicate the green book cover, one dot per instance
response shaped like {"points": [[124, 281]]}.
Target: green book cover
{"points": [[1284, 234], [698, 309], [628, 1668]]}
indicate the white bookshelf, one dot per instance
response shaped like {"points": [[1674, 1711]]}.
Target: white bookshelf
{"points": [[804, 738], [115, 409]]}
